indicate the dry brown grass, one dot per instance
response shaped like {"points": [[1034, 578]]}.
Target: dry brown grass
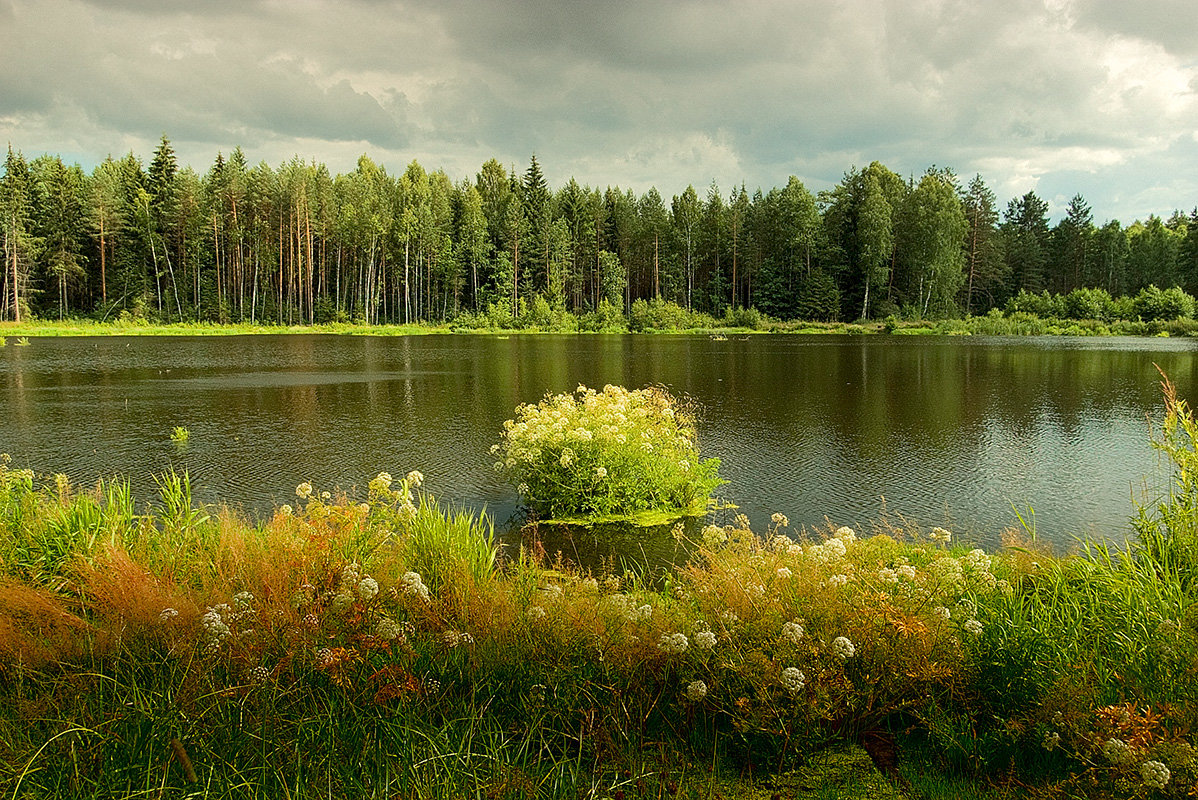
{"points": [[36, 628]]}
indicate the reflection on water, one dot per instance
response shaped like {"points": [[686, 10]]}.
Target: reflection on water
{"points": [[956, 430]]}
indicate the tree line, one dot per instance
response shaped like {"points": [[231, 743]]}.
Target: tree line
{"points": [[295, 244]]}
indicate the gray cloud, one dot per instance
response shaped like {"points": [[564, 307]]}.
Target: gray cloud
{"points": [[1033, 93]]}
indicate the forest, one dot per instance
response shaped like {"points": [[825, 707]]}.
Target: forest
{"points": [[295, 244]]}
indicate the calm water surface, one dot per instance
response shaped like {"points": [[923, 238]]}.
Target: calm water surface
{"points": [[951, 430]]}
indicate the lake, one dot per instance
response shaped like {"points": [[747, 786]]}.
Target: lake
{"points": [[952, 431]]}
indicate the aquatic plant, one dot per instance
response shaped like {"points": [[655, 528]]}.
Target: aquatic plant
{"points": [[598, 455], [180, 435]]}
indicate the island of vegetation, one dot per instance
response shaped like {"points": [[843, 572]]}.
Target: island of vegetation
{"points": [[385, 646], [295, 245]]}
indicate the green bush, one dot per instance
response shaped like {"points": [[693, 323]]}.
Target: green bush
{"points": [[1043, 305], [1154, 304], [615, 453], [1089, 304], [662, 315]]}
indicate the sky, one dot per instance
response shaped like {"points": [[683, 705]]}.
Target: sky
{"points": [[1060, 97]]}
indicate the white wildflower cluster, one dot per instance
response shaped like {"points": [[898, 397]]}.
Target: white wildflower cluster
{"points": [[258, 676], [242, 601], [303, 491], [792, 632], [286, 510], [388, 629], [793, 680], [940, 612], [906, 572], [1051, 740], [674, 643], [784, 573], [780, 520], [167, 614], [713, 536], [1116, 751], [780, 543], [566, 440], [842, 648], [940, 535], [696, 691], [729, 618], [325, 657], [415, 479], [215, 629], [380, 484], [976, 565], [830, 551], [626, 607], [973, 627], [351, 586], [1154, 774], [413, 584], [887, 575], [457, 639], [845, 534], [705, 640], [947, 574], [836, 581], [368, 588]]}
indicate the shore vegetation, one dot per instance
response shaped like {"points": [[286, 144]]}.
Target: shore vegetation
{"points": [[386, 645]]}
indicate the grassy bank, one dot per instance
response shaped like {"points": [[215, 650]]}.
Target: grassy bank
{"points": [[383, 646], [998, 324]]}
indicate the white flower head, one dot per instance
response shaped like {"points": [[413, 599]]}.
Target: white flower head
{"points": [[973, 627], [843, 648], [414, 584], [303, 491], [168, 614], [1116, 751], [1154, 774], [696, 691], [600, 472], [536, 612], [673, 642], [779, 519], [792, 632], [367, 588], [705, 640], [940, 535], [793, 680], [415, 479], [784, 573], [387, 628], [942, 613]]}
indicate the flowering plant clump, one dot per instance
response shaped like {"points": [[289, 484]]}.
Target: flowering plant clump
{"points": [[618, 453]]}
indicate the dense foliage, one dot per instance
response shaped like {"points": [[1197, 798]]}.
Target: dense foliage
{"points": [[295, 244], [614, 453]]}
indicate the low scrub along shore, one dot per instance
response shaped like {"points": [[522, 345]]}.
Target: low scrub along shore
{"points": [[1083, 312], [384, 647]]}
